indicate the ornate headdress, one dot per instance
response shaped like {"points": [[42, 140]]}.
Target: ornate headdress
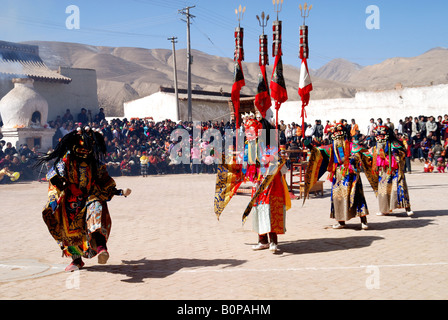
{"points": [[252, 128], [338, 131], [382, 133]]}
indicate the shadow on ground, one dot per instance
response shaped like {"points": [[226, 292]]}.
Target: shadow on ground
{"points": [[327, 244], [139, 270]]}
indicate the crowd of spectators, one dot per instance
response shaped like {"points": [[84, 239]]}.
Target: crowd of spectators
{"points": [[143, 146]]}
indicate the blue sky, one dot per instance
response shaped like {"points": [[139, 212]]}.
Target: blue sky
{"points": [[337, 28]]}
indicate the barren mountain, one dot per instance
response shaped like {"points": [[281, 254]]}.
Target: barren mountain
{"points": [[426, 69], [129, 73], [338, 70]]}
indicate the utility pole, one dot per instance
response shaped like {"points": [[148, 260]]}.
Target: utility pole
{"points": [[186, 13], [173, 40]]}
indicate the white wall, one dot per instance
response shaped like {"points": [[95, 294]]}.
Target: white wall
{"points": [[162, 105], [159, 105], [393, 104]]}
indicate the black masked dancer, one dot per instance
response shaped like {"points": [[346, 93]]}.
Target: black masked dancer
{"points": [[76, 212]]}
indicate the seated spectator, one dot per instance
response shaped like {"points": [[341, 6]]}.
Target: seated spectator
{"points": [[25, 151], [125, 166], [5, 162], [437, 151], [113, 164], [428, 168], [441, 164], [9, 149], [425, 147]]}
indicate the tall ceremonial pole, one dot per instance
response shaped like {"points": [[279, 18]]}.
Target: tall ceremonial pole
{"points": [[263, 97], [238, 56], [238, 75], [278, 86], [305, 84]]}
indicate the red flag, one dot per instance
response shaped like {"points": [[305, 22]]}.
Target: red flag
{"points": [[305, 87], [238, 83], [278, 86], [262, 98]]}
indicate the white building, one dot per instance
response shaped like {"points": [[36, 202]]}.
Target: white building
{"points": [[161, 105], [30, 90]]}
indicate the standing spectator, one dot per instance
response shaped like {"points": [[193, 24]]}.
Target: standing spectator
{"points": [[100, 116], [67, 116], [407, 126], [288, 133], [144, 160], [415, 127], [318, 129], [195, 158], [298, 134], [400, 126], [422, 122], [309, 132], [390, 124], [431, 126], [406, 143], [371, 132], [82, 117], [353, 128], [154, 162], [445, 128]]}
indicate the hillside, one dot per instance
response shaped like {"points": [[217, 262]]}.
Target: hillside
{"points": [[128, 73]]}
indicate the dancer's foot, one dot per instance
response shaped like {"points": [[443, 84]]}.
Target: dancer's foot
{"points": [[260, 246], [273, 247], [103, 255], [410, 213], [75, 265], [382, 214], [364, 226], [338, 226]]}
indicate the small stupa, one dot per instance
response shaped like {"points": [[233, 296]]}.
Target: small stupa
{"points": [[24, 113]]}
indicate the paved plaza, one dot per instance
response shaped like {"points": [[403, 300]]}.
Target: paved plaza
{"points": [[166, 244]]}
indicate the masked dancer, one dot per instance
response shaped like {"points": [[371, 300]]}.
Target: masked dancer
{"points": [[76, 212]]}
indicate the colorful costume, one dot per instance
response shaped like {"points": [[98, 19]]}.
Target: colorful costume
{"points": [[343, 160], [76, 212], [270, 197], [388, 168]]}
